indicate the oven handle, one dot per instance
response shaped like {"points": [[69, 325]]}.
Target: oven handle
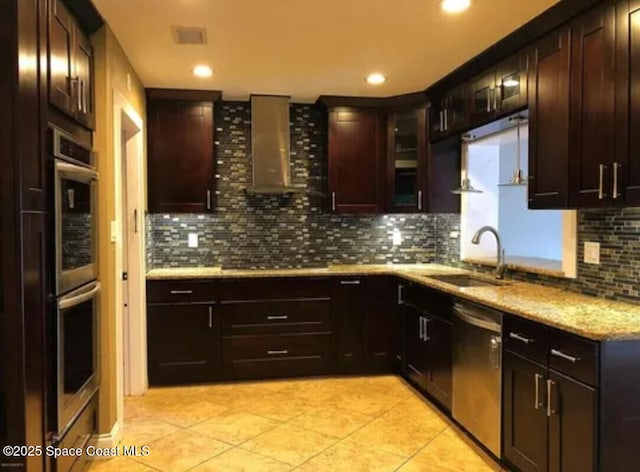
{"points": [[78, 299], [76, 171]]}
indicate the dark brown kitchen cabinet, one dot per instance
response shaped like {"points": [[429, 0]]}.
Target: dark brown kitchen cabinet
{"points": [[525, 443], [572, 425], [356, 160], [626, 166], [416, 349], [407, 161], [483, 97], [183, 343], [71, 78], [592, 135], [512, 84], [549, 110], [363, 314], [450, 112], [181, 169]]}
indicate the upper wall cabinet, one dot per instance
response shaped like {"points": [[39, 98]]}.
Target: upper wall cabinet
{"points": [[450, 112], [180, 158], [356, 159], [625, 171], [549, 102], [71, 80], [407, 160]]}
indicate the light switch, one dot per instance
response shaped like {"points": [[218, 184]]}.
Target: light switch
{"points": [[193, 240], [592, 253]]}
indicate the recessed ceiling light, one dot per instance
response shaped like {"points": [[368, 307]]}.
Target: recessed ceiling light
{"points": [[455, 6], [202, 71], [376, 79]]}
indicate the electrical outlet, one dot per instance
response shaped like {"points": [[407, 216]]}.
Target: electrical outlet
{"points": [[592, 253], [193, 240], [397, 237]]}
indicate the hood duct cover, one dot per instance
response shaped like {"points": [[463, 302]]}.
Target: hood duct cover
{"points": [[270, 145]]}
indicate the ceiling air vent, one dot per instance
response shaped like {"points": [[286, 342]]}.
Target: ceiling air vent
{"points": [[189, 35]]}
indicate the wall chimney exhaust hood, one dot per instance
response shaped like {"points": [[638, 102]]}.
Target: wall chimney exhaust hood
{"points": [[270, 146]]}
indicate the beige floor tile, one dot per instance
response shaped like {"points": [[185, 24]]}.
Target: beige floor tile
{"points": [[143, 431], [331, 421], [277, 406], [117, 464], [289, 444], [368, 403], [234, 426], [182, 450], [316, 390], [187, 413], [452, 451], [342, 458], [240, 460], [403, 438]]}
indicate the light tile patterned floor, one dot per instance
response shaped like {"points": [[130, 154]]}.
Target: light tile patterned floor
{"points": [[362, 424]]}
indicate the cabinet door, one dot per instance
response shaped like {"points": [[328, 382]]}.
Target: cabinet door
{"points": [[415, 346], [62, 83], [456, 114], [349, 303], [572, 425], [180, 157], [406, 161], [356, 144], [549, 121], [511, 83], [183, 344], [439, 372], [592, 108], [524, 427], [627, 165], [398, 333], [83, 55], [483, 98], [379, 325]]}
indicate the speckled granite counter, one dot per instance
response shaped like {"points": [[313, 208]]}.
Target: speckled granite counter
{"points": [[591, 317]]}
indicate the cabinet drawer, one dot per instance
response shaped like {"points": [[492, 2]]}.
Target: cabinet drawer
{"points": [[181, 291], [429, 301], [526, 338], [277, 288], [275, 317], [276, 356], [574, 356]]}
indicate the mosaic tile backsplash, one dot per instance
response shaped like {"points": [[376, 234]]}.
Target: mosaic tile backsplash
{"points": [[296, 231]]}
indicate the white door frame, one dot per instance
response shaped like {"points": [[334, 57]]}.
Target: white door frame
{"points": [[131, 340]]}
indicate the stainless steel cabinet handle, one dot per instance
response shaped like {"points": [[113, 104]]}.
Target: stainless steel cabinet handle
{"points": [[278, 353], [333, 201], [615, 180], [273, 318], [181, 292], [349, 282], [446, 119], [400, 289], [421, 329], [496, 343], [536, 380], [520, 338], [79, 98], [489, 100], [84, 96], [426, 329], [210, 317], [562, 355], [419, 200], [441, 120], [600, 185], [495, 97], [208, 199], [550, 384]]}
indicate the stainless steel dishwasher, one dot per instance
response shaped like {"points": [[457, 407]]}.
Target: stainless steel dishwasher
{"points": [[477, 372]]}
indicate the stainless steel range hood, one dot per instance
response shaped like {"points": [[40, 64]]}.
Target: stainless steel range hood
{"points": [[270, 146]]}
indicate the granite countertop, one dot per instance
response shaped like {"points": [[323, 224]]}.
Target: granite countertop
{"points": [[533, 265], [594, 318]]}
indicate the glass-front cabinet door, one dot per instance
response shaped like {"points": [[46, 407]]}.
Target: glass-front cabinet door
{"points": [[407, 159], [512, 83]]}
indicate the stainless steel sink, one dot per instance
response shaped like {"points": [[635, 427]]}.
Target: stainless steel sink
{"points": [[464, 280]]}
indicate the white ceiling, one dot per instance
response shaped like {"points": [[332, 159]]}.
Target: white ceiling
{"points": [[306, 48]]}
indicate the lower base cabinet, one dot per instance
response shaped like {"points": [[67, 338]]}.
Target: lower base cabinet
{"points": [[183, 344]]}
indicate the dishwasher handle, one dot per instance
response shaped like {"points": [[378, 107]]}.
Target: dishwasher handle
{"points": [[476, 319]]}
